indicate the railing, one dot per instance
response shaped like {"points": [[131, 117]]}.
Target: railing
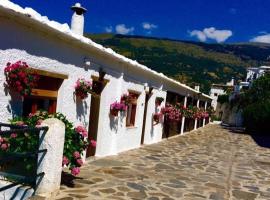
{"points": [[7, 159]]}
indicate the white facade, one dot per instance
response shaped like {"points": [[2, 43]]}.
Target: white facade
{"points": [[214, 93], [44, 47]]}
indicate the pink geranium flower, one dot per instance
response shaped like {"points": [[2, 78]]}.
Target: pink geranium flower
{"points": [[13, 135], [81, 130], [75, 171], [65, 160], [93, 143], [76, 154], [4, 146], [79, 162]]}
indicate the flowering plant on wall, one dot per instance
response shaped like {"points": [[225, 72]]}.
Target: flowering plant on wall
{"points": [[20, 78], [116, 107], [82, 88], [171, 112], [76, 140], [188, 112]]}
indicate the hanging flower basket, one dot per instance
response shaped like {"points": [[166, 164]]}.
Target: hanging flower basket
{"points": [[159, 100], [117, 107], [20, 78], [82, 88]]}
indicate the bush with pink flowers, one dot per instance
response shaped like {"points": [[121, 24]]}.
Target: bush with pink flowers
{"points": [[82, 88], [20, 78], [172, 113], [76, 140]]}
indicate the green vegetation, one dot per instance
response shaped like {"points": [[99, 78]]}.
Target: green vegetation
{"points": [[223, 98], [256, 105], [189, 62]]}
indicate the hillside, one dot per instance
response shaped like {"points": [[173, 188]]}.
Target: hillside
{"points": [[189, 62]]}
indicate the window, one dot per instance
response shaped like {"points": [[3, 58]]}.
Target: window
{"points": [[215, 94], [44, 96], [131, 110]]}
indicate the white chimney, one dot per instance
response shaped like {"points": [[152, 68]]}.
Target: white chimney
{"points": [[77, 21], [197, 87]]}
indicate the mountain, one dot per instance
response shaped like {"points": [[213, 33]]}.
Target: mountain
{"points": [[189, 62]]}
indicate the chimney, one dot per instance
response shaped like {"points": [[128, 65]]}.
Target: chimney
{"points": [[77, 21], [197, 87]]}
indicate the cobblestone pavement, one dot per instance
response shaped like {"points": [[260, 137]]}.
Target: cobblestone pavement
{"points": [[210, 163]]}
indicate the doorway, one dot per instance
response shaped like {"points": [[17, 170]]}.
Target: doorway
{"points": [[98, 85]]}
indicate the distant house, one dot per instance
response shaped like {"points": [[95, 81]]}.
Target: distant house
{"points": [[61, 56], [253, 73], [220, 89]]}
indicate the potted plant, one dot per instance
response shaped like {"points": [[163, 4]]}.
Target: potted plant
{"points": [[20, 78], [82, 88], [116, 107], [159, 100]]}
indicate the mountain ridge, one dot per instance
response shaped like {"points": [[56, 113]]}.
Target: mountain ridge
{"points": [[192, 63]]}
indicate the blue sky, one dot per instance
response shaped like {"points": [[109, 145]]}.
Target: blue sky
{"points": [[220, 21]]}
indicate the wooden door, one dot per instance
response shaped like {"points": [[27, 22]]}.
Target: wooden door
{"points": [[97, 88], [93, 123], [147, 96]]}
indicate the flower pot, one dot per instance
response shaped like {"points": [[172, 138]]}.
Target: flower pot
{"points": [[114, 113]]}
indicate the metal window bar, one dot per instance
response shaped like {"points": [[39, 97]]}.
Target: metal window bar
{"points": [[33, 181]]}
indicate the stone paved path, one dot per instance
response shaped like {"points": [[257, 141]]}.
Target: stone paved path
{"points": [[210, 163]]}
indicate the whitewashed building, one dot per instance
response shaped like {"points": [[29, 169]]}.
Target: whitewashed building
{"points": [[62, 55], [220, 89]]}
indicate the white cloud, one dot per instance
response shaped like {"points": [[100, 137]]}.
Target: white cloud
{"points": [[109, 29], [148, 26], [122, 29], [199, 34], [261, 38], [211, 33]]}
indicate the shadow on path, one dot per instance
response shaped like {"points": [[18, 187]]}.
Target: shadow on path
{"points": [[263, 140]]}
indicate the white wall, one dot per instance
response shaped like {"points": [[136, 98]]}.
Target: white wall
{"points": [[153, 133], [214, 91], [44, 52]]}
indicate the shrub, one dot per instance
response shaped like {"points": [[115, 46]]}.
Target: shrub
{"points": [[256, 105], [75, 138], [257, 117], [223, 98]]}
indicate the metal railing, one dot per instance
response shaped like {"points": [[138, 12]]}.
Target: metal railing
{"points": [[7, 157]]}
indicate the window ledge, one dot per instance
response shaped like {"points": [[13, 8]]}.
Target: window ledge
{"points": [[131, 127]]}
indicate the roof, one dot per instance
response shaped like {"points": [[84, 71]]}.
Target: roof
{"points": [[221, 86], [65, 30]]}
